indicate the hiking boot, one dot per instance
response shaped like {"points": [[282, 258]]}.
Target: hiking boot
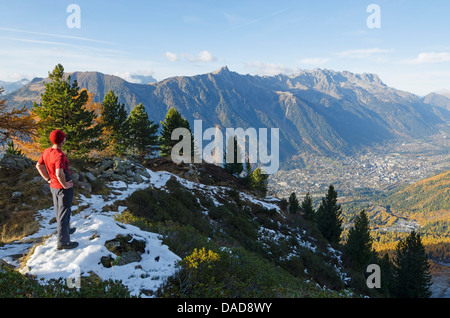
{"points": [[67, 246]]}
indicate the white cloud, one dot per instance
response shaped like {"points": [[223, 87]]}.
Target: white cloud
{"points": [[127, 76], [55, 35], [430, 57], [203, 56], [362, 53], [171, 56], [142, 77], [314, 61], [14, 77]]}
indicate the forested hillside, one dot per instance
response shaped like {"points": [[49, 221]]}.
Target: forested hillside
{"points": [[423, 206]]}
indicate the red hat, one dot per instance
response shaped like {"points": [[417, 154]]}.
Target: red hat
{"points": [[57, 136]]}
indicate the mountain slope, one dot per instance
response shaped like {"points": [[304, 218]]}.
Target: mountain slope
{"points": [[317, 111], [9, 87], [166, 217], [439, 100], [428, 195]]}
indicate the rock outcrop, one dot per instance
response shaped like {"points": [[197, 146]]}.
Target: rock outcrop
{"points": [[15, 162]]}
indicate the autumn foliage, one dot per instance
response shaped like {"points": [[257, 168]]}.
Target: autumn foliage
{"points": [[15, 123]]}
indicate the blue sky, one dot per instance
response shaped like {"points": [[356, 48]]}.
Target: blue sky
{"points": [[410, 50]]}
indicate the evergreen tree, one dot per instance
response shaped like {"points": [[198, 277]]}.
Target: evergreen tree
{"points": [[235, 167], [248, 166], [172, 121], [412, 278], [293, 204], [329, 219], [359, 246], [258, 181], [63, 107], [307, 208], [114, 116], [141, 131], [386, 268]]}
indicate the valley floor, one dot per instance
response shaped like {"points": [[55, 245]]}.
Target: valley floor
{"points": [[380, 168]]}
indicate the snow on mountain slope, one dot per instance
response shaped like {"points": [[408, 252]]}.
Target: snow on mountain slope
{"points": [[94, 227]]}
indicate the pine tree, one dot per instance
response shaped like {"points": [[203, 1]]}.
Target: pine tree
{"points": [[141, 134], [235, 167], [386, 274], [329, 219], [307, 208], [172, 121], [293, 204], [63, 107], [412, 278], [359, 246], [114, 116], [258, 181]]}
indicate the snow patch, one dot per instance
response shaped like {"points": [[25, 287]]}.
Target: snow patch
{"points": [[93, 229]]}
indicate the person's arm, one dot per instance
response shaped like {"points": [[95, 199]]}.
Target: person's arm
{"points": [[43, 172], [62, 179]]}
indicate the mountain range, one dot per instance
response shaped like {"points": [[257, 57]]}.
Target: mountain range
{"points": [[438, 99], [9, 87], [319, 111]]}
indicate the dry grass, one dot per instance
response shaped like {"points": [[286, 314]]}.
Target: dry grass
{"points": [[17, 218], [18, 225]]}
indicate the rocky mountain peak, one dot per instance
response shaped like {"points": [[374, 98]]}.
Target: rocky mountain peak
{"points": [[222, 70]]}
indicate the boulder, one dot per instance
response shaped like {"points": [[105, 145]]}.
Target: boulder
{"points": [[127, 249], [106, 175], [137, 178], [90, 177], [143, 172], [37, 179], [45, 189], [85, 186], [118, 177], [16, 195], [15, 162], [107, 261], [105, 164], [75, 177]]}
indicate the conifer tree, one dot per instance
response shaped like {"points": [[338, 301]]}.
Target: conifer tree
{"points": [[307, 208], [386, 274], [172, 121], [359, 246], [329, 219], [114, 116], [412, 278], [235, 167], [142, 131], [63, 107], [293, 204], [258, 181]]}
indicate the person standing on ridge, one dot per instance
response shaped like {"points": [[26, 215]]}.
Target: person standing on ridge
{"points": [[54, 168]]}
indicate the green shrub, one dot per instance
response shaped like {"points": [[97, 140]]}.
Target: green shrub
{"points": [[236, 273], [178, 206], [320, 271], [15, 285]]}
